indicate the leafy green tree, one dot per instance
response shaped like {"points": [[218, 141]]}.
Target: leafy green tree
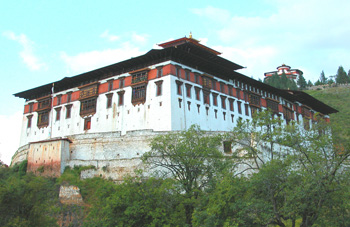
{"points": [[25, 199], [341, 77], [301, 82], [309, 83], [318, 82], [191, 158], [323, 78], [138, 202]]}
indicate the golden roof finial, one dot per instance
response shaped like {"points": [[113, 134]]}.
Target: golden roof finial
{"points": [[190, 35]]}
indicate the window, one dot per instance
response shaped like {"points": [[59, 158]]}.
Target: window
{"points": [[222, 87], [88, 106], [246, 109], [87, 123], [44, 104], [306, 112], [232, 118], [188, 90], [229, 87], [227, 147], [180, 101], [139, 77], [196, 78], [207, 82], [43, 119], [223, 102], [215, 99], [178, 71], [272, 105], [224, 115], [189, 105], [68, 110], [306, 122], [159, 72], [69, 96], [239, 107], [288, 114], [109, 100], [121, 98], [138, 94], [231, 101], [30, 107], [58, 113], [159, 87], [253, 110], [187, 75], [206, 97], [178, 84], [110, 85], [29, 121], [238, 92], [197, 90], [254, 100], [216, 114], [198, 108], [121, 82], [59, 99]]}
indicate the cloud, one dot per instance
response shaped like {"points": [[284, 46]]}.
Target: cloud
{"points": [[303, 34], [108, 36], [90, 60], [140, 39], [27, 54], [10, 135]]}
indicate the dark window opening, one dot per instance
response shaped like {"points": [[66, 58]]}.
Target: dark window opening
{"points": [[159, 87], [228, 147], [179, 87], [43, 119], [139, 94], [121, 98], [87, 123], [109, 100], [110, 85], [159, 72], [58, 113], [246, 109], [29, 121], [68, 111], [139, 77], [88, 106], [239, 107]]}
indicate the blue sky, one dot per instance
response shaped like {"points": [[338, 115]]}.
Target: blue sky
{"points": [[44, 41]]}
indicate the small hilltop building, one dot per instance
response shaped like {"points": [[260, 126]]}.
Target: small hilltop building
{"points": [[285, 69], [106, 117]]}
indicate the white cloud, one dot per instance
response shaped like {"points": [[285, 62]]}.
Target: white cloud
{"points": [[10, 135], [140, 39], [303, 34], [90, 60], [27, 54], [108, 36]]}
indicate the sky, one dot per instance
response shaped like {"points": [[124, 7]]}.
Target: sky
{"points": [[44, 41]]}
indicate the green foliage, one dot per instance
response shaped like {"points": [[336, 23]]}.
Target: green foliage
{"points": [[191, 158], [138, 202], [281, 82], [338, 98], [301, 82], [341, 77], [26, 200]]}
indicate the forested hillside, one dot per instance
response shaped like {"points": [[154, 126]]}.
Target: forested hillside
{"points": [[338, 98]]}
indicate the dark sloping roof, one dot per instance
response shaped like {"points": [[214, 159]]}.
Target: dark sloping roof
{"points": [[189, 54], [310, 101]]}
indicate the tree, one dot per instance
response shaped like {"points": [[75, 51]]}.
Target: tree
{"points": [[323, 78], [341, 77], [309, 83], [301, 82], [191, 158], [294, 173]]}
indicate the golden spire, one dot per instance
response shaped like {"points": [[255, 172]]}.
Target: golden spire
{"points": [[190, 35]]}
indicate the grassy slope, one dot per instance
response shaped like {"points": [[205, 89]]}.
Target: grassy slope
{"points": [[338, 98]]}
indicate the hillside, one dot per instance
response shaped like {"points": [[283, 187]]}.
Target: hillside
{"points": [[338, 98]]}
